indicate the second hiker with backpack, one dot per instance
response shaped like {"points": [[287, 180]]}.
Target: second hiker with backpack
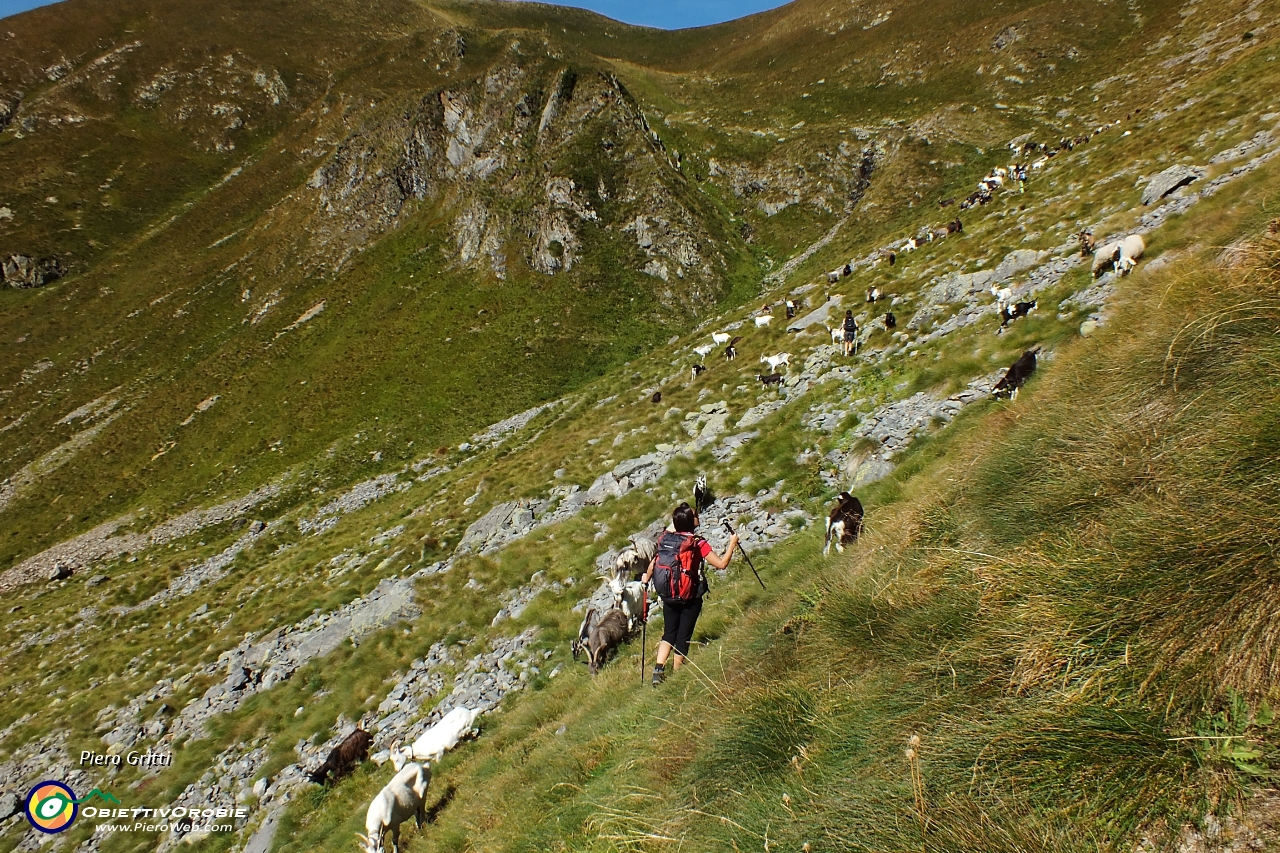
{"points": [[678, 578]]}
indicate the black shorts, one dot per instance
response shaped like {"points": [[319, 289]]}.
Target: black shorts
{"points": [[678, 620], [850, 336]]}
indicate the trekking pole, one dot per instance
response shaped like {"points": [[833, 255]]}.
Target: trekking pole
{"points": [[644, 630], [746, 556]]}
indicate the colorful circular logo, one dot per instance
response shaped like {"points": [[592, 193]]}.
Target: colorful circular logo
{"points": [[51, 806]]}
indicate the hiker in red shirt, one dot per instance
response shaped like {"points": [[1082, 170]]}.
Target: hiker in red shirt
{"points": [[676, 571]]}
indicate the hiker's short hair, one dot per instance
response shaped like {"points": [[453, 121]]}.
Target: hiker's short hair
{"points": [[683, 519], [849, 313]]}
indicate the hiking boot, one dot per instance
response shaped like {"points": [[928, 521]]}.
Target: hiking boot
{"points": [[659, 673]]}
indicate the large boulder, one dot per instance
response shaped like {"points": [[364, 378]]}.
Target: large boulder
{"points": [[869, 472], [604, 486], [1015, 262], [23, 271], [1169, 180], [9, 806]]}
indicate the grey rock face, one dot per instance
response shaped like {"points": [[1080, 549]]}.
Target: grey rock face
{"points": [[1169, 180], [1015, 262], [956, 287], [260, 841], [196, 576], [817, 317], [1261, 139], [504, 428], [869, 472], [357, 497], [23, 271], [254, 666], [895, 425], [8, 806]]}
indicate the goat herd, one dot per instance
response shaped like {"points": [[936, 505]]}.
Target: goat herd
{"points": [[405, 795], [604, 628]]}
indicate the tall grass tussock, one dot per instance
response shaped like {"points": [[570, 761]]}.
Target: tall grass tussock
{"points": [[1062, 635]]}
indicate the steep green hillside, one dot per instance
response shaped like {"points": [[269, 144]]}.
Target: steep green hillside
{"points": [[373, 346]]}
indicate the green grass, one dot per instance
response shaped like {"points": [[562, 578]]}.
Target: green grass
{"points": [[1050, 594], [1050, 661]]}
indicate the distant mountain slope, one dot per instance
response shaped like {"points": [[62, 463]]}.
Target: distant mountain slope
{"points": [[377, 342], [259, 226]]}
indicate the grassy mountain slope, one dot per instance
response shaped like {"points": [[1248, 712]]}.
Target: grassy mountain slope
{"points": [[1063, 600], [449, 219]]}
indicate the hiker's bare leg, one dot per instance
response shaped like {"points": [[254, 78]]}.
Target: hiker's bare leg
{"points": [[664, 650], [678, 661]]}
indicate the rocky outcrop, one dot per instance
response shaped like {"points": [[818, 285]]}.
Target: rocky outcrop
{"points": [[23, 271], [257, 665], [1168, 181], [501, 153], [9, 104], [355, 498], [102, 542], [507, 521], [832, 180], [890, 430]]}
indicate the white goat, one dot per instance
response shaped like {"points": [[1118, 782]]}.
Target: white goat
{"points": [[837, 335], [403, 796], [1105, 257], [628, 594], [629, 598], [438, 739], [704, 350], [1131, 248], [1119, 256], [911, 245], [1002, 294], [763, 320], [720, 337], [776, 361]]}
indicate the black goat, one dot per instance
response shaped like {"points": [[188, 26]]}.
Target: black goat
{"points": [[343, 757], [771, 379], [1016, 375], [844, 524], [1009, 313], [890, 321]]}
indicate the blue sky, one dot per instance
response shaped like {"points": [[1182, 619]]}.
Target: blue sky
{"points": [[667, 14]]}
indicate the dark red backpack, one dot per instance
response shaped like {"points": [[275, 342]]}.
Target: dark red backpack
{"points": [[675, 573]]}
